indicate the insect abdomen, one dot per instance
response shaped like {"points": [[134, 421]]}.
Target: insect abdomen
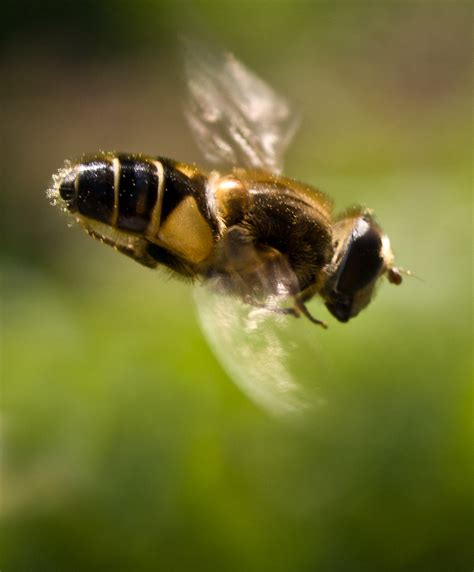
{"points": [[121, 191], [153, 210]]}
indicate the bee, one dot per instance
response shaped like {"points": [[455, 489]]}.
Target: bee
{"points": [[269, 241]]}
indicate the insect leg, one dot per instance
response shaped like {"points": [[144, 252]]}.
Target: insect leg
{"points": [[299, 305], [259, 273], [292, 311], [135, 250]]}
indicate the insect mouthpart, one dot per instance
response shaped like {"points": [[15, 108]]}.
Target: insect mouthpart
{"points": [[340, 307]]}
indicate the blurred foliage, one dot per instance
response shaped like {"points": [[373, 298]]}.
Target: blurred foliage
{"points": [[125, 446]]}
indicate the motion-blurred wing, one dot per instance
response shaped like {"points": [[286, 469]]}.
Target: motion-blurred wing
{"points": [[250, 344], [236, 118], [267, 352]]}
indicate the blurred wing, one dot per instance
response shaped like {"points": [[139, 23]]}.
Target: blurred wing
{"points": [[259, 345], [235, 117], [250, 344]]}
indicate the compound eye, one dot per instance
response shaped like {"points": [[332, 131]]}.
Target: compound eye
{"points": [[363, 260]]}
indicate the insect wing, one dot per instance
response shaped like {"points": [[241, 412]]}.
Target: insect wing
{"points": [[236, 118], [248, 342], [260, 346]]}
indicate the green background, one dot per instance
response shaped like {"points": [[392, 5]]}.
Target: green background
{"points": [[125, 446]]}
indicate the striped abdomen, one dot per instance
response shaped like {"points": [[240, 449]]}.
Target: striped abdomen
{"points": [[153, 210], [124, 192]]}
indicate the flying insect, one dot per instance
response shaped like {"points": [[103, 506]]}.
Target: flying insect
{"points": [[266, 241]]}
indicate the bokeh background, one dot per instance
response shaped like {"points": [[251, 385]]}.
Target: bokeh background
{"points": [[125, 446]]}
